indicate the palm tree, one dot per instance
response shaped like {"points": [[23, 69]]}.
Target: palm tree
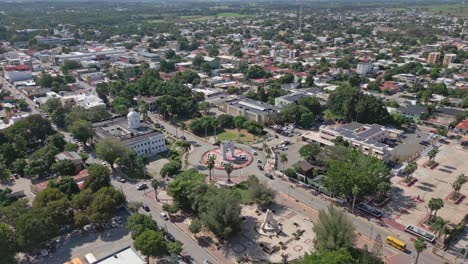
{"points": [[409, 170], [434, 205], [382, 188], [155, 184], [433, 153], [439, 227], [215, 125], [184, 147], [355, 191], [210, 165], [238, 123], [205, 125], [457, 184], [420, 246], [334, 230], [283, 160], [228, 168]]}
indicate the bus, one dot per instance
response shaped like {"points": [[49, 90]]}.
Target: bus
{"points": [[398, 244]]}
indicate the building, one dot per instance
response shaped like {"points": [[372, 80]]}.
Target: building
{"points": [[364, 68], [369, 139], [132, 133], [413, 111], [288, 99], [433, 57], [87, 101], [251, 109], [76, 159], [53, 40], [124, 256], [449, 58], [18, 76], [462, 127]]}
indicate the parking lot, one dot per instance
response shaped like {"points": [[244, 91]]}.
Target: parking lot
{"points": [[100, 244]]}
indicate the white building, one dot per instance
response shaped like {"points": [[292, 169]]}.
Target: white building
{"points": [[364, 68], [132, 133]]}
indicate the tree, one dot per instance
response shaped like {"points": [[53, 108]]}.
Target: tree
{"points": [[222, 213], [355, 191], [309, 152], [258, 192], [238, 123], [333, 230], [63, 167], [204, 106], [7, 244], [340, 256], [348, 167], [420, 246], [66, 185], [34, 229], [170, 169], [5, 173], [433, 153], [283, 160], [439, 226], [434, 205], [151, 244], [134, 206], [195, 226], [82, 130], [99, 177], [175, 247], [377, 249], [110, 150], [155, 184], [138, 223], [215, 124], [104, 205], [409, 170], [46, 196], [210, 165], [457, 184], [228, 168]]}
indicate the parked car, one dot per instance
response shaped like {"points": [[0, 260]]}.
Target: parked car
{"points": [[120, 179], [142, 186], [183, 138], [145, 207], [259, 161], [254, 153], [169, 237], [164, 216], [260, 167], [268, 175]]}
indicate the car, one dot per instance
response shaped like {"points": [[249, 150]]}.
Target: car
{"points": [[207, 262], [164, 216], [268, 175], [183, 138], [254, 153], [169, 237], [120, 179], [260, 167], [142, 186], [259, 161], [159, 228], [93, 155], [145, 207]]}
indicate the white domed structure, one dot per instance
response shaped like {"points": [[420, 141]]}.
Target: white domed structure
{"points": [[133, 119]]}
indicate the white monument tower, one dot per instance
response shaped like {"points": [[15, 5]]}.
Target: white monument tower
{"points": [[227, 146], [269, 225], [133, 119]]}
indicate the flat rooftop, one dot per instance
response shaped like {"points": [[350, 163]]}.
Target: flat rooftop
{"points": [[125, 256]]}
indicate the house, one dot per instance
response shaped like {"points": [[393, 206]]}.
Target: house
{"points": [[79, 179], [390, 87], [462, 127], [413, 111], [76, 159]]}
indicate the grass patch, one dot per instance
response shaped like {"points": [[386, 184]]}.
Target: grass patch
{"points": [[242, 190], [232, 134]]}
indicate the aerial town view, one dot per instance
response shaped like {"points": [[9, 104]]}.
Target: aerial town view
{"points": [[233, 131]]}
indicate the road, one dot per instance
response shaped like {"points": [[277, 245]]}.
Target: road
{"points": [[368, 227], [15, 93], [190, 248]]}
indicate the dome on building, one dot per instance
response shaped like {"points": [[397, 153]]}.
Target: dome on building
{"points": [[133, 119]]}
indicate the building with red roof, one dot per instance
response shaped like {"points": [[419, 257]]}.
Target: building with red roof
{"points": [[462, 127]]}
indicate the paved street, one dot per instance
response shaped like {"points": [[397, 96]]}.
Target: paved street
{"points": [[14, 92]]}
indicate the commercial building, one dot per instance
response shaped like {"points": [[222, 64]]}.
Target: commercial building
{"points": [[251, 109], [449, 58], [433, 57], [288, 99], [369, 139], [18, 76], [132, 133], [124, 256]]}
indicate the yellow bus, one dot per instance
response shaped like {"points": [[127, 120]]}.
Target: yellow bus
{"points": [[396, 243]]}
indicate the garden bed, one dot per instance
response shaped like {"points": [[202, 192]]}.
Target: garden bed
{"points": [[430, 164], [380, 200], [412, 180], [455, 200]]}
